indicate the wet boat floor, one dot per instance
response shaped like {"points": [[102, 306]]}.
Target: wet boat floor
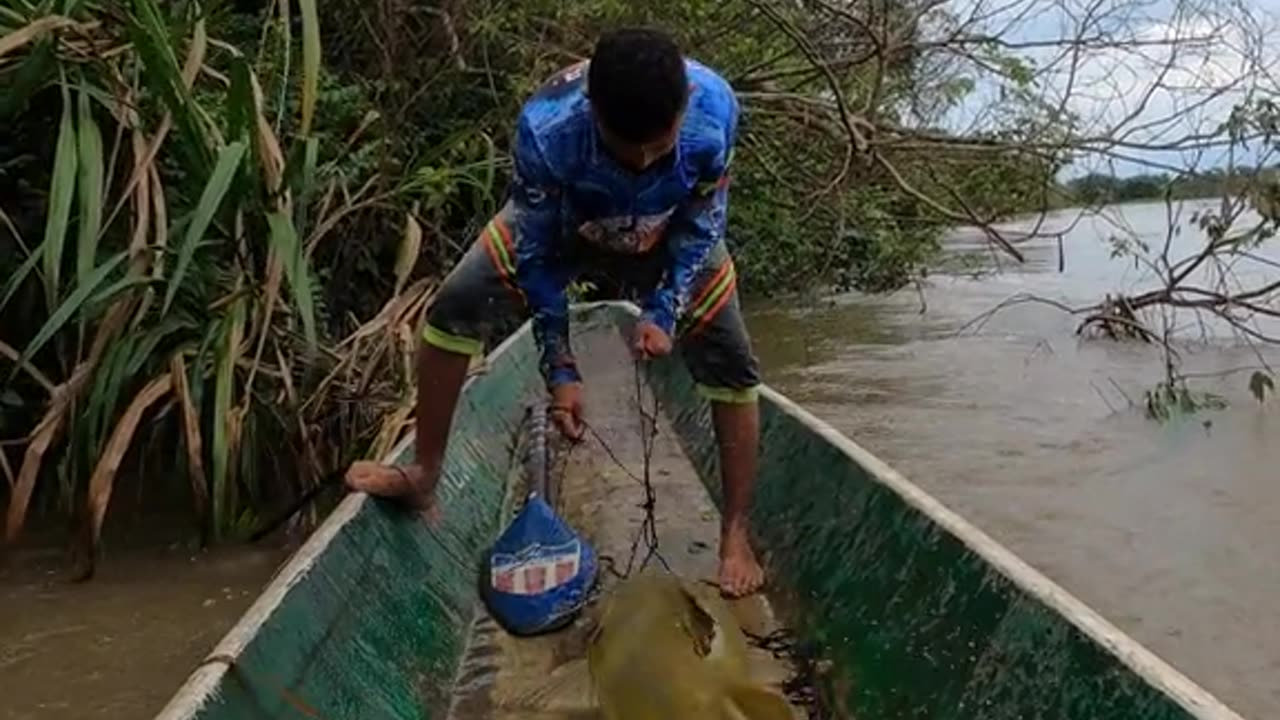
{"points": [[598, 492]]}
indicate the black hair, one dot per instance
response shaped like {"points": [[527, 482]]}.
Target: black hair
{"points": [[636, 82]]}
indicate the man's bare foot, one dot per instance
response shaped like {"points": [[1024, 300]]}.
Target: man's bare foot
{"points": [[740, 572], [408, 484]]}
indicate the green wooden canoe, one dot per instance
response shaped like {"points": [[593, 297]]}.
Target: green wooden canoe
{"points": [[914, 611]]}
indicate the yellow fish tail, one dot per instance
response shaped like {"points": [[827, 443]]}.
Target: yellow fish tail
{"points": [[751, 702]]}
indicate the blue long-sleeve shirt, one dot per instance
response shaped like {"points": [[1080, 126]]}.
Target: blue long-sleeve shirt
{"points": [[565, 184]]}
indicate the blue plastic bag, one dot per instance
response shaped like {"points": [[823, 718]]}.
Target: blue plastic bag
{"points": [[539, 573]]}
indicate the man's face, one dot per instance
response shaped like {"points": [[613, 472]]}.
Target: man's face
{"points": [[638, 157]]}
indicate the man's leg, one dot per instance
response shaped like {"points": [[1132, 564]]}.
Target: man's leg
{"points": [[738, 435], [717, 350], [441, 373], [477, 298]]}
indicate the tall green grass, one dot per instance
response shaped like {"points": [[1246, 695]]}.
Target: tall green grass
{"points": [[174, 291]]}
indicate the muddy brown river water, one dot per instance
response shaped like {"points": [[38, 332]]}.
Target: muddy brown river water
{"points": [[1169, 530]]}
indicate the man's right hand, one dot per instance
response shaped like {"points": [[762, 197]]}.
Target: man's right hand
{"points": [[566, 409]]}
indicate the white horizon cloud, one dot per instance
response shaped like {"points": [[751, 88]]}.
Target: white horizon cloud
{"points": [[1144, 81]]}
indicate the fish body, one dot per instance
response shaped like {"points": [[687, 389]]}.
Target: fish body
{"points": [[664, 649]]}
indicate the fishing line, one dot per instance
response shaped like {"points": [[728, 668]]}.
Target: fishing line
{"points": [[648, 531], [612, 456]]}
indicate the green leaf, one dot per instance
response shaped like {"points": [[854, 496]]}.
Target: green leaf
{"points": [[19, 275], [1260, 384], [286, 52], [489, 169], [224, 385], [147, 346], [69, 306], [310, 62], [102, 400], [284, 239], [30, 77], [115, 288], [89, 189], [13, 18], [61, 191], [153, 40], [213, 331], [306, 183], [223, 173]]}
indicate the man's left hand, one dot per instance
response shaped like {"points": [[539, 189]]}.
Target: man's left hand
{"points": [[650, 341]]}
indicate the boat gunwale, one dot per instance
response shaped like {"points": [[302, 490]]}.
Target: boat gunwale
{"points": [[1190, 695], [202, 683]]}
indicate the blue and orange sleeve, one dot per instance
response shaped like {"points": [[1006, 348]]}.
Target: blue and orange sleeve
{"points": [[696, 227], [536, 198]]}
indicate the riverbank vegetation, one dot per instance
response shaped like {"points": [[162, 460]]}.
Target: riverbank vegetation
{"points": [[220, 222], [1104, 189]]}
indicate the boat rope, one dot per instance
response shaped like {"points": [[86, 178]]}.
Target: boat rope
{"points": [[648, 533], [648, 438], [808, 686]]}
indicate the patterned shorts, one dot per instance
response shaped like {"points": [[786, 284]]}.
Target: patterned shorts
{"points": [[480, 302]]}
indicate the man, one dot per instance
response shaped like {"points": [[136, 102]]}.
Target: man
{"points": [[621, 174]]}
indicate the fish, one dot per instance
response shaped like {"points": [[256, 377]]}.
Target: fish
{"points": [[664, 648]]}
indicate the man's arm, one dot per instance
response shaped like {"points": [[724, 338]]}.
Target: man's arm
{"points": [[696, 227], [537, 196]]}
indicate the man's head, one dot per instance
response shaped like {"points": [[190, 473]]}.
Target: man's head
{"points": [[638, 89]]}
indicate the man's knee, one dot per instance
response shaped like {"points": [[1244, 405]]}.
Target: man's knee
{"points": [[730, 395], [724, 368], [734, 379], [471, 306], [450, 323]]}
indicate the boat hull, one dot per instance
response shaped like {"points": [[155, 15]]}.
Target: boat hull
{"points": [[918, 613]]}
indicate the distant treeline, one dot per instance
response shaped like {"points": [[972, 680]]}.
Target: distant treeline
{"points": [[1101, 188]]}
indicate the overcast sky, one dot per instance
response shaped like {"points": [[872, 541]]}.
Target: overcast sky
{"points": [[1137, 86]]}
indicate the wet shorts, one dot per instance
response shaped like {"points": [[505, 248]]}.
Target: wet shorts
{"points": [[479, 303]]}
